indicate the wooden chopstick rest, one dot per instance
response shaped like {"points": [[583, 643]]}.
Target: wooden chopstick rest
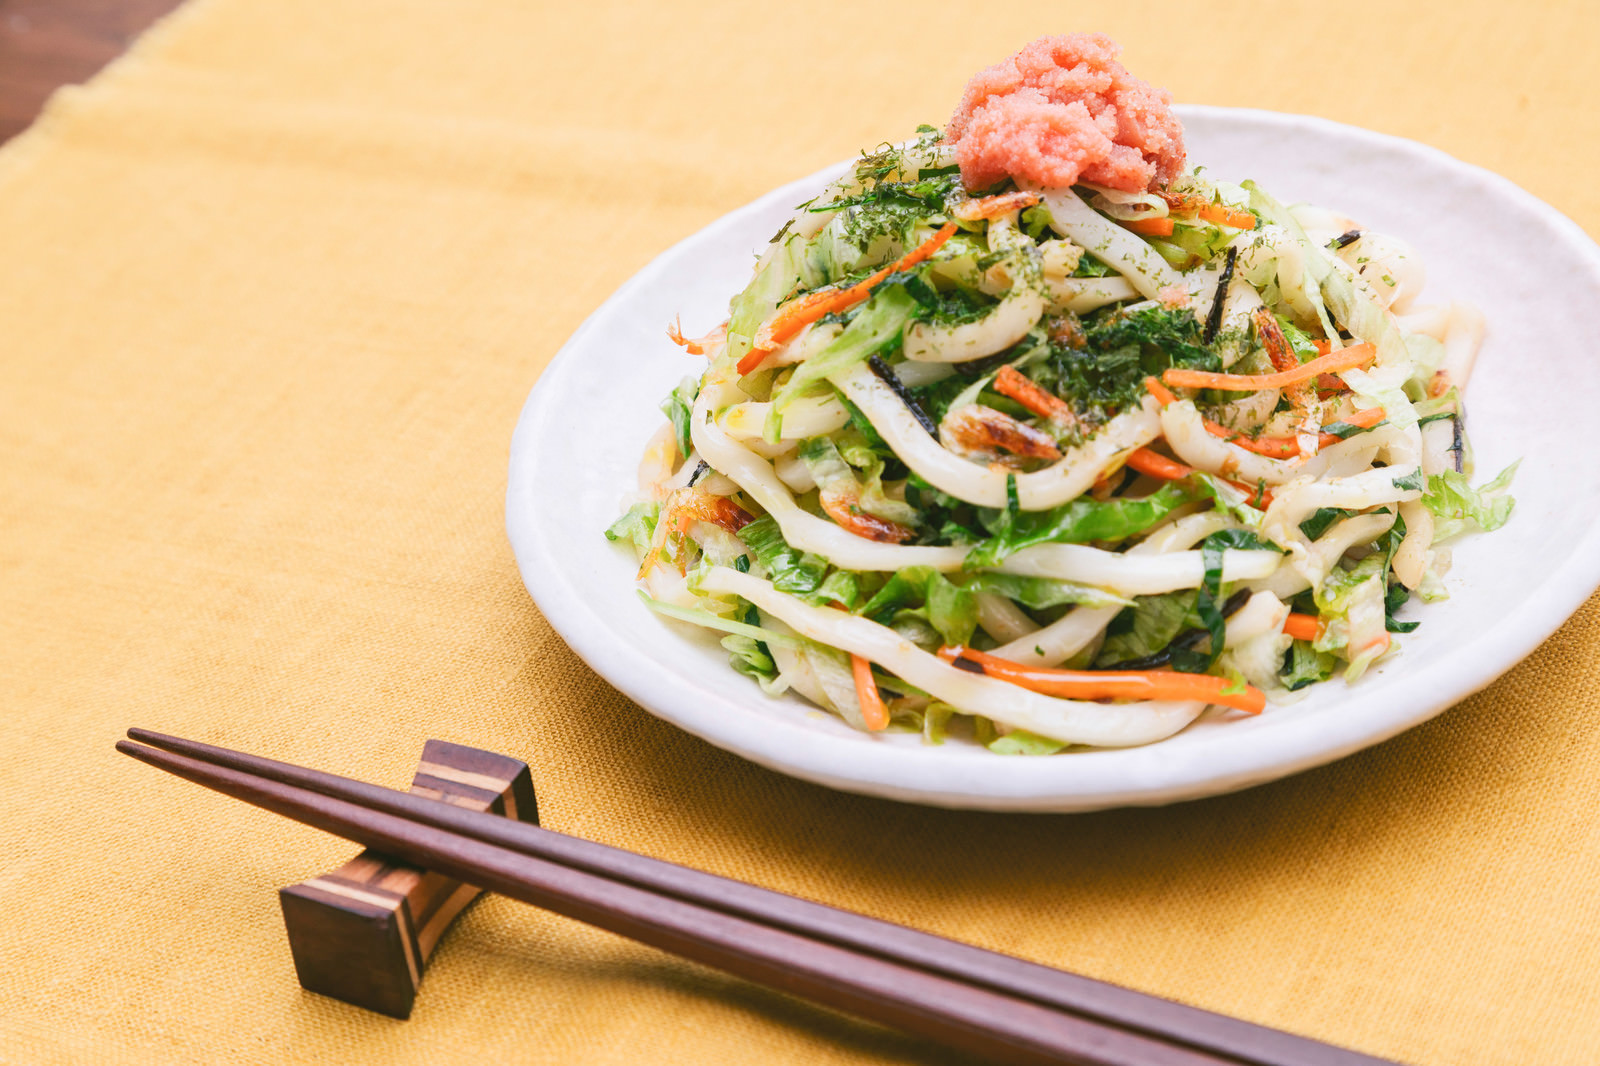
{"points": [[363, 933]]}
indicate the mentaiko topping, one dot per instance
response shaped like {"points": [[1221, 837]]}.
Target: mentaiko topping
{"points": [[1063, 110]]}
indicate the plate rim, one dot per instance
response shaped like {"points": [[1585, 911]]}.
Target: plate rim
{"points": [[846, 763]]}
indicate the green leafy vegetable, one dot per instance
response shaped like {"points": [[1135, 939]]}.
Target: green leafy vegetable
{"points": [[638, 527], [1040, 593], [1119, 352], [1078, 522], [775, 280], [1227, 498], [678, 406], [876, 326], [1393, 600], [787, 569], [1208, 598], [1147, 627], [1459, 508], [1022, 742], [1305, 665], [863, 425], [1344, 430], [840, 586], [1089, 266], [1322, 519], [751, 658], [1410, 481], [924, 593], [715, 621], [1299, 341]]}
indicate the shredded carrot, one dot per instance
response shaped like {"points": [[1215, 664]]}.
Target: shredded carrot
{"points": [[985, 207], [1019, 387], [1345, 359], [1157, 465], [1302, 626], [1223, 215], [873, 713], [1162, 394], [1322, 345], [1289, 447], [1364, 419], [798, 314], [1151, 227], [1112, 684], [1271, 447]]}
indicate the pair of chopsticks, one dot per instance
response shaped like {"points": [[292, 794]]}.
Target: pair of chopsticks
{"points": [[996, 1006]]}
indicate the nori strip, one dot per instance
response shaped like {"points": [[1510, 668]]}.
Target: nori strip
{"points": [[1214, 318], [896, 386]]}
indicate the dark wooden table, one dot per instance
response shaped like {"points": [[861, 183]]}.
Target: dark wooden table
{"points": [[46, 43]]}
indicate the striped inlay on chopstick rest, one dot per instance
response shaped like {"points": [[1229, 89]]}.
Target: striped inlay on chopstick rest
{"points": [[363, 933]]}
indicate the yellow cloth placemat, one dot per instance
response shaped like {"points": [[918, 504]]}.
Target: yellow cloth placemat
{"points": [[272, 292]]}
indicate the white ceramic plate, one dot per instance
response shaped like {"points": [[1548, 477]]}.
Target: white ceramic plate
{"points": [[1532, 271]]}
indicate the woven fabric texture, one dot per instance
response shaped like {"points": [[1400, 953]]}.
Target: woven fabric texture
{"points": [[272, 292]]}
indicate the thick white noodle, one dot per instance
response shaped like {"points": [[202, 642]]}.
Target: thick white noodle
{"points": [[795, 474], [1439, 446], [1238, 304], [1127, 206], [1299, 499], [1184, 533], [1297, 502], [1393, 271], [1262, 613], [1004, 236], [808, 417], [915, 374], [1462, 339], [1429, 319], [803, 531], [1002, 619], [1082, 295], [1064, 480], [1071, 721], [1411, 559], [1186, 434], [1072, 632], [1290, 580], [1129, 574], [1122, 250], [1005, 324]]}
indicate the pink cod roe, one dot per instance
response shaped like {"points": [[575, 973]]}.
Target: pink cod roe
{"points": [[1064, 110]]}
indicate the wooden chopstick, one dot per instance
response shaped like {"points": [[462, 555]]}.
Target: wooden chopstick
{"points": [[1134, 1011], [998, 1027], [1002, 1007]]}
